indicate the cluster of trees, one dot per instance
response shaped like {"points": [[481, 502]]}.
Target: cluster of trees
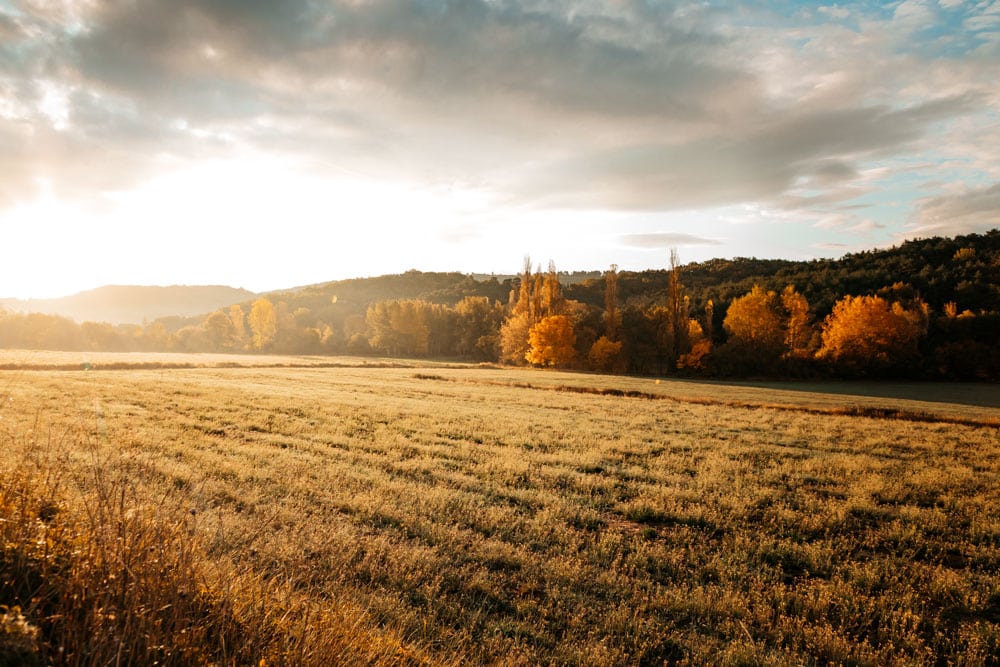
{"points": [[723, 317]]}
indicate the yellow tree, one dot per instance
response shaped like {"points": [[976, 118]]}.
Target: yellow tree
{"points": [[798, 323], [606, 356], [539, 296], [552, 300], [239, 326], [866, 332], [263, 323], [755, 325], [409, 320], [552, 342], [219, 331]]}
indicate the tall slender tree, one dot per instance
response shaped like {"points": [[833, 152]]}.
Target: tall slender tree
{"points": [[263, 323]]}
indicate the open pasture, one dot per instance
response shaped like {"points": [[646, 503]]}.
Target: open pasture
{"points": [[520, 517]]}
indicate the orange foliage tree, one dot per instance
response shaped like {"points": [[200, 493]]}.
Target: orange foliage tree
{"points": [[551, 342], [867, 332], [539, 296]]}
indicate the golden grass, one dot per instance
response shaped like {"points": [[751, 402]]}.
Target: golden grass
{"points": [[466, 514]]}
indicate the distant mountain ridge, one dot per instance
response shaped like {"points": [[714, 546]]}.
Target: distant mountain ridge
{"points": [[133, 304]]}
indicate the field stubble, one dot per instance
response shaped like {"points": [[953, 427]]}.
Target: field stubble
{"points": [[480, 515]]}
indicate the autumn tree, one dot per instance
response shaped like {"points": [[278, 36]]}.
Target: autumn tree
{"points": [[238, 319], [552, 342], [263, 323], [798, 323], [219, 331], [538, 296], [399, 328], [606, 356], [514, 343], [867, 334], [552, 300], [755, 326], [612, 316], [696, 357], [521, 317], [676, 342], [477, 323]]}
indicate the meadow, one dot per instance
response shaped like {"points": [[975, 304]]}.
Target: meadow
{"points": [[233, 510]]}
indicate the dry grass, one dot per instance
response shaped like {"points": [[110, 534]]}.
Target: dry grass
{"points": [[467, 514]]}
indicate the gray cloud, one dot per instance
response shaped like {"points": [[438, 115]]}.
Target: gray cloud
{"points": [[628, 105], [762, 163], [974, 210], [661, 240]]}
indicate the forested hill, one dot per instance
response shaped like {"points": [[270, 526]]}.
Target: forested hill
{"points": [[963, 269], [132, 304]]}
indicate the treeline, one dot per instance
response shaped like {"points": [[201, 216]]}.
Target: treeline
{"points": [[928, 309]]}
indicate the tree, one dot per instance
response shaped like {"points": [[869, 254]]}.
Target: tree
{"points": [[612, 317], [539, 296], [477, 323], [514, 344], [219, 331], [606, 356], [798, 322], [866, 333], [263, 323], [677, 342], [239, 326], [552, 342], [755, 327], [400, 328]]}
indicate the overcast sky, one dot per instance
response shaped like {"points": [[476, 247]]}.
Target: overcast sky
{"points": [[266, 144]]}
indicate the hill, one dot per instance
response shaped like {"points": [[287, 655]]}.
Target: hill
{"points": [[121, 304], [961, 269]]}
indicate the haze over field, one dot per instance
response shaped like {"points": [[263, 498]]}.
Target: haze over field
{"points": [[264, 145]]}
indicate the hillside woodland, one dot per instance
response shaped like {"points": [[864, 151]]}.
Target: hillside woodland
{"points": [[928, 309]]}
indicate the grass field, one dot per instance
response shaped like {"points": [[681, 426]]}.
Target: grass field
{"points": [[447, 514]]}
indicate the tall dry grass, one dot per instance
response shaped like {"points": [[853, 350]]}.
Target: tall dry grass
{"points": [[93, 571], [492, 519]]}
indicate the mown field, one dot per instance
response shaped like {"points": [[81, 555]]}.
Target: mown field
{"points": [[453, 514]]}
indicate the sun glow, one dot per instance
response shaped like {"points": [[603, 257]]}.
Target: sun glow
{"points": [[254, 222]]}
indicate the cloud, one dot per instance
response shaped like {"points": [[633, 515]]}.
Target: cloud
{"points": [[585, 105], [970, 211], [661, 240], [836, 11], [766, 161]]}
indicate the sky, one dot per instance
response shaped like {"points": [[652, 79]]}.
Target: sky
{"points": [[266, 145]]}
